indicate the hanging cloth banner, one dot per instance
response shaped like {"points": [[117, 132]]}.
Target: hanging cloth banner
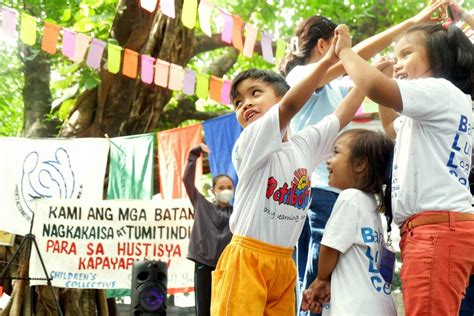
{"points": [[227, 26], [82, 43], [147, 69], [189, 82], [280, 50], [205, 12], [162, 70], [221, 134], [251, 33], [173, 150], [130, 63], [28, 29], [189, 13], [225, 98], [149, 5], [47, 168], [267, 50], [237, 33], [215, 88], [176, 77], [114, 58], [49, 42], [94, 56], [68, 46], [202, 86], [9, 22], [168, 8], [131, 167]]}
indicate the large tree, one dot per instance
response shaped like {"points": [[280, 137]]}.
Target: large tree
{"points": [[80, 102]]}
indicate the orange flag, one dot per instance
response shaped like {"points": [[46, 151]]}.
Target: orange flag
{"points": [[237, 33], [50, 37], [173, 150], [130, 63], [215, 88]]}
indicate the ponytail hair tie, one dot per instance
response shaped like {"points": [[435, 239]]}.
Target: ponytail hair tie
{"points": [[447, 23]]}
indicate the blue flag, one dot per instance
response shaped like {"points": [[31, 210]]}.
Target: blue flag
{"points": [[221, 134]]}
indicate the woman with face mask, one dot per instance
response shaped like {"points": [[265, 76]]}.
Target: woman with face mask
{"points": [[210, 233]]}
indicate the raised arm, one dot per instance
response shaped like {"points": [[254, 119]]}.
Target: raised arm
{"points": [[189, 174], [372, 82], [463, 13], [298, 94], [373, 45]]}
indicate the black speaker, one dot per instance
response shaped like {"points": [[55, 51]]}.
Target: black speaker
{"points": [[149, 286]]}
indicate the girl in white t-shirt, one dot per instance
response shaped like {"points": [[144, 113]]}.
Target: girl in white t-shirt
{"points": [[427, 107], [353, 238]]}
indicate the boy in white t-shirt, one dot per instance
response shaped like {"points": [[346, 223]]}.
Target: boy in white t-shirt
{"points": [[255, 274]]}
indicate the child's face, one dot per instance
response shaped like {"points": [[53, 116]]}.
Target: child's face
{"points": [[341, 174], [254, 98], [411, 57]]}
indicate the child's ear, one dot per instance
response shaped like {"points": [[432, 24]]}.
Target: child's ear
{"points": [[360, 165], [321, 46]]}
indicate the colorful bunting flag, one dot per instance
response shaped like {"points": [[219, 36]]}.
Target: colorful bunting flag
{"points": [[50, 37], [147, 69], [176, 77], [267, 50], [94, 56], [205, 12], [215, 88], [188, 16], [202, 86], [162, 69], [130, 63], [189, 82], [68, 46], [251, 33], [237, 33], [227, 26], [28, 29], [280, 50], [225, 97], [114, 58], [167, 8], [149, 5], [82, 43], [9, 22]]}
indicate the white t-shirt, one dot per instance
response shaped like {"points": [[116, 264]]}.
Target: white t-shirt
{"points": [[433, 147], [355, 229], [274, 189]]}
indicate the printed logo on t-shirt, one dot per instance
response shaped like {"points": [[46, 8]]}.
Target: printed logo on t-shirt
{"points": [[297, 194], [458, 161]]}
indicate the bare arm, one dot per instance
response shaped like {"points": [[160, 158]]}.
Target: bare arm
{"points": [[348, 107], [372, 82], [465, 15], [373, 45], [297, 96]]}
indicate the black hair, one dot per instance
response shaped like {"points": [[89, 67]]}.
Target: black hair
{"points": [[450, 54], [218, 177], [308, 34], [375, 149], [276, 81]]}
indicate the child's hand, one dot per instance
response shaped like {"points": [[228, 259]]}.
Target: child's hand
{"points": [[310, 303], [204, 148], [314, 297], [385, 65], [331, 53], [343, 39], [426, 15]]}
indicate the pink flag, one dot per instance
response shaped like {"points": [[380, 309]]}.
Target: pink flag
{"points": [[176, 77], [149, 5], [225, 99], [69, 43], [9, 22], [173, 149], [267, 50], [95, 53], [167, 8], [250, 39], [82, 43], [228, 25], [147, 69]]}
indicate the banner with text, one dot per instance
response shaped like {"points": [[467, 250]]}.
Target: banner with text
{"points": [[93, 244], [34, 169]]}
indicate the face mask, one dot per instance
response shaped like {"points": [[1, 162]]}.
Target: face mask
{"points": [[224, 196]]}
